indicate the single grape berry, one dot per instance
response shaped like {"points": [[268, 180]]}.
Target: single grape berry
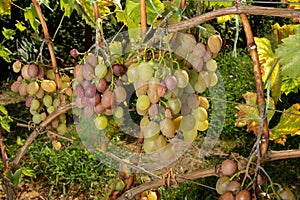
{"points": [[229, 167]]}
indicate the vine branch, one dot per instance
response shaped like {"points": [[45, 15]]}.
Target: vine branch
{"points": [[237, 9], [49, 43]]}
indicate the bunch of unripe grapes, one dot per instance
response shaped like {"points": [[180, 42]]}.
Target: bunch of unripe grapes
{"points": [[98, 90], [167, 95], [39, 88], [229, 185]]}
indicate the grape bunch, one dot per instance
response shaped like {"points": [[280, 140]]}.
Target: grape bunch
{"points": [[98, 91], [39, 88], [231, 184], [167, 91]]}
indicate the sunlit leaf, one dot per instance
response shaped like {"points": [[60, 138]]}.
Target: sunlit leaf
{"points": [[4, 121], [20, 26], [248, 114], [31, 15], [67, 6], [289, 124], [8, 33], [267, 59], [56, 144], [290, 85], [5, 6], [283, 31], [5, 53], [28, 172], [289, 55], [3, 110]]}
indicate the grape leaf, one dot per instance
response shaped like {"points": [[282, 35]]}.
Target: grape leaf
{"points": [[284, 31], [289, 56], [267, 59], [67, 6], [248, 114], [8, 33], [31, 15], [3, 110], [4, 121], [5, 53], [290, 85], [289, 124], [20, 26], [5, 6]]}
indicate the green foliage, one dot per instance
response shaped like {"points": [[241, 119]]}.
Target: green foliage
{"points": [[131, 15], [15, 178], [32, 16], [67, 6], [270, 69], [5, 120], [289, 55], [5, 6], [289, 124], [71, 166], [290, 85]]}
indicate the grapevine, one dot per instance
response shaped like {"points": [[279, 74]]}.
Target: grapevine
{"points": [[163, 81]]}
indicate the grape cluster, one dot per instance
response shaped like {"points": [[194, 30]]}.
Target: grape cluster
{"points": [[42, 97], [231, 184], [166, 93]]}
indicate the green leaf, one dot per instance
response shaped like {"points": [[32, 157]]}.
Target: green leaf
{"points": [[16, 179], [31, 15], [4, 121], [5, 6], [3, 110], [20, 26], [67, 6], [289, 124], [248, 114], [5, 53], [28, 172], [290, 85], [267, 59], [289, 56], [8, 33]]}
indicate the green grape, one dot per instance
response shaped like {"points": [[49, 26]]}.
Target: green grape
{"points": [[200, 114], [120, 185], [143, 102], [149, 146], [47, 100], [101, 122], [50, 74], [202, 126], [32, 88], [213, 78], [50, 109], [190, 135], [175, 105], [36, 118], [182, 78], [118, 112], [100, 71], [35, 104], [56, 102], [151, 130], [62, 128], [132, 73], [145, 71], [187, 123], [167, 127], [200, 87], [62, 118], [32, 111], [211, 65]]}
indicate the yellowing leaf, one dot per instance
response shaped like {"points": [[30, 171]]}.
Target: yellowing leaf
{"points": [[248, 114], [56, 144], [267, 59], [5, 6], [20, 26], [289, 124]]}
